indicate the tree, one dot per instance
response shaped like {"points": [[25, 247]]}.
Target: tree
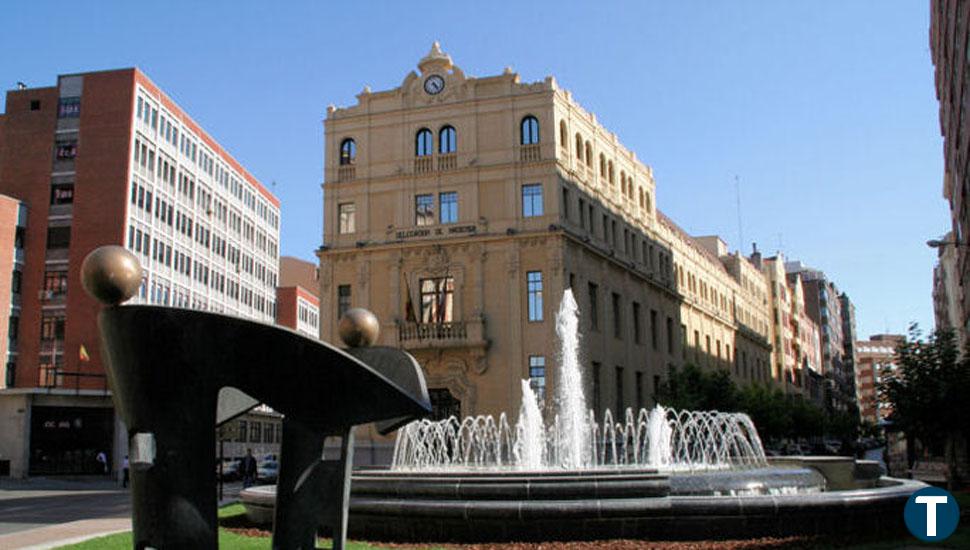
{"points": [[691, 388], [928, 392]]}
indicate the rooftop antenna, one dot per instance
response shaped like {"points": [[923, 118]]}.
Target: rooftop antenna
{"points": [[737, 191]]}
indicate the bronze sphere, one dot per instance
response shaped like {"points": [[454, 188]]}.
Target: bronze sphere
{"points": [[111, 274], [359, 328]]}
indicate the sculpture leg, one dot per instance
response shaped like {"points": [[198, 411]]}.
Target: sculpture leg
{"points": [[311, 491], [172, 480], [336, 509]]}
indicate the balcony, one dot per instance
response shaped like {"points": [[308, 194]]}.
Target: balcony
{"points": [[530, 153], [452, 334], [423, 165], [346, 173], [447, 162]]}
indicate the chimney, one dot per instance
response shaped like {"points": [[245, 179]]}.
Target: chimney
{"points": [[755, 255]]}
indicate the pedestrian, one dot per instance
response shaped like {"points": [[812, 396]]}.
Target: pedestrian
{"points": [[124, 472], [248, 468], [103, 461]]}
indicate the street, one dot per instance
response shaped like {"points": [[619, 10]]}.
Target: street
{"points": [[37, 503]]}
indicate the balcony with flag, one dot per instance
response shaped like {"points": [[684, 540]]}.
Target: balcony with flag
{"points": [[432, 322]]}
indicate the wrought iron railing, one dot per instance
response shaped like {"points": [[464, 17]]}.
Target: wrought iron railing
{"points": [[455, 330]]}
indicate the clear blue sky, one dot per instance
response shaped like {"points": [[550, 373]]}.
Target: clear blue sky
{"points": [[824, 110]]}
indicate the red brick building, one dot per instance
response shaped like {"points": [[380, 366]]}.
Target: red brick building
{"points": [[874, 358], [108, 158]]}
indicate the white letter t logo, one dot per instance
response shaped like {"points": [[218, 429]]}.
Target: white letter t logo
{"points": [[931, 503]]}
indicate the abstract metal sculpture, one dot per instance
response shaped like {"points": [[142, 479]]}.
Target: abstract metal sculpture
{"points": [[167, 366]]}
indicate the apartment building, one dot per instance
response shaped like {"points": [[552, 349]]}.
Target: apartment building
{"points": [[108, 158]]}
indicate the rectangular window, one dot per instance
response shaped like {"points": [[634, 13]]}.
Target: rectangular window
{"points": [[537, 376], [594, 322], [69, 107], [670, 335], [654, 335], [565, 203], [424, 210], [596, 388], [346, 215], [241, 434], [636, 323], [343, 300], [532, 200], [55, 282], [255, 431], [66, 150], [58, 237], [582, 213], [437, 300], [638, 388], [52, 328], [449, 207], [534, 283], [619, 393], [617, 317], [62, 193]]}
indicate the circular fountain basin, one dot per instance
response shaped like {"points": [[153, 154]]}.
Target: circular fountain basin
{"points": [[491, 506]]}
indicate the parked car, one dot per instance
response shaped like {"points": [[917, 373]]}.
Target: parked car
{"points": [[230, 470], [267, 471]]}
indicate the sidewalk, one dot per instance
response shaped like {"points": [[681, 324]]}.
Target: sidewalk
{"points": [[52, 512], [65, 533]]}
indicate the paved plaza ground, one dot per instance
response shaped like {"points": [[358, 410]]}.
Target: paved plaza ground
{"points": [[46, 512]]}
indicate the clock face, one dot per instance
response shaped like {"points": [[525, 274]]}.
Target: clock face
{"points": [[434, 84]]}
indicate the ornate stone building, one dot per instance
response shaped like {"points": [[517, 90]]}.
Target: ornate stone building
{"points": [[459, 210]]}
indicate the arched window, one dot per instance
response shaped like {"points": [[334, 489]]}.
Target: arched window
{"points": [[348, 152], [447, 140], [579, 147], [563, 135], [612, 180], [530, 130], [623, 182], [602, 165], [423, 143], [589, 155]]}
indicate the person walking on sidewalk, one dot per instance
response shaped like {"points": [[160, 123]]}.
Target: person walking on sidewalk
{"points": [[124, 472], [248, 469]]}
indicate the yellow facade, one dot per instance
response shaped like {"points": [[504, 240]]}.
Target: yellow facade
{"points": [[520, 185]]}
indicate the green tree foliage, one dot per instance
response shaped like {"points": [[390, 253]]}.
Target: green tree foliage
{"points": [[775, 414], [929, 389]]}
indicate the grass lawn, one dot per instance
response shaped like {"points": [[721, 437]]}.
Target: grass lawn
{"points": [[227, 538]]}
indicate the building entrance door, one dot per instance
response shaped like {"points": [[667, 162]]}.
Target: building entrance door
{"points": [[67, 440], [443, 404]]}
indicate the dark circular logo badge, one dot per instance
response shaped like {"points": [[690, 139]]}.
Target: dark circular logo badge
{"points": [[931, 514]]}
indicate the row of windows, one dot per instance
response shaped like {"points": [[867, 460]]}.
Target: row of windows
{"points": [[167, 129], [141, 242], [638, 248], [447, 141], [186, 225], [259, 432], [424, 208], [308, 315]]}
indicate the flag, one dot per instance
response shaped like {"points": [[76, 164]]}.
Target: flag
{"points": [[409, 315], [83, 354], [442, 298]]}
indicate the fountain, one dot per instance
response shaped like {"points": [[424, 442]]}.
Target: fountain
{"points": [[658, 438], [652, 474]]}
